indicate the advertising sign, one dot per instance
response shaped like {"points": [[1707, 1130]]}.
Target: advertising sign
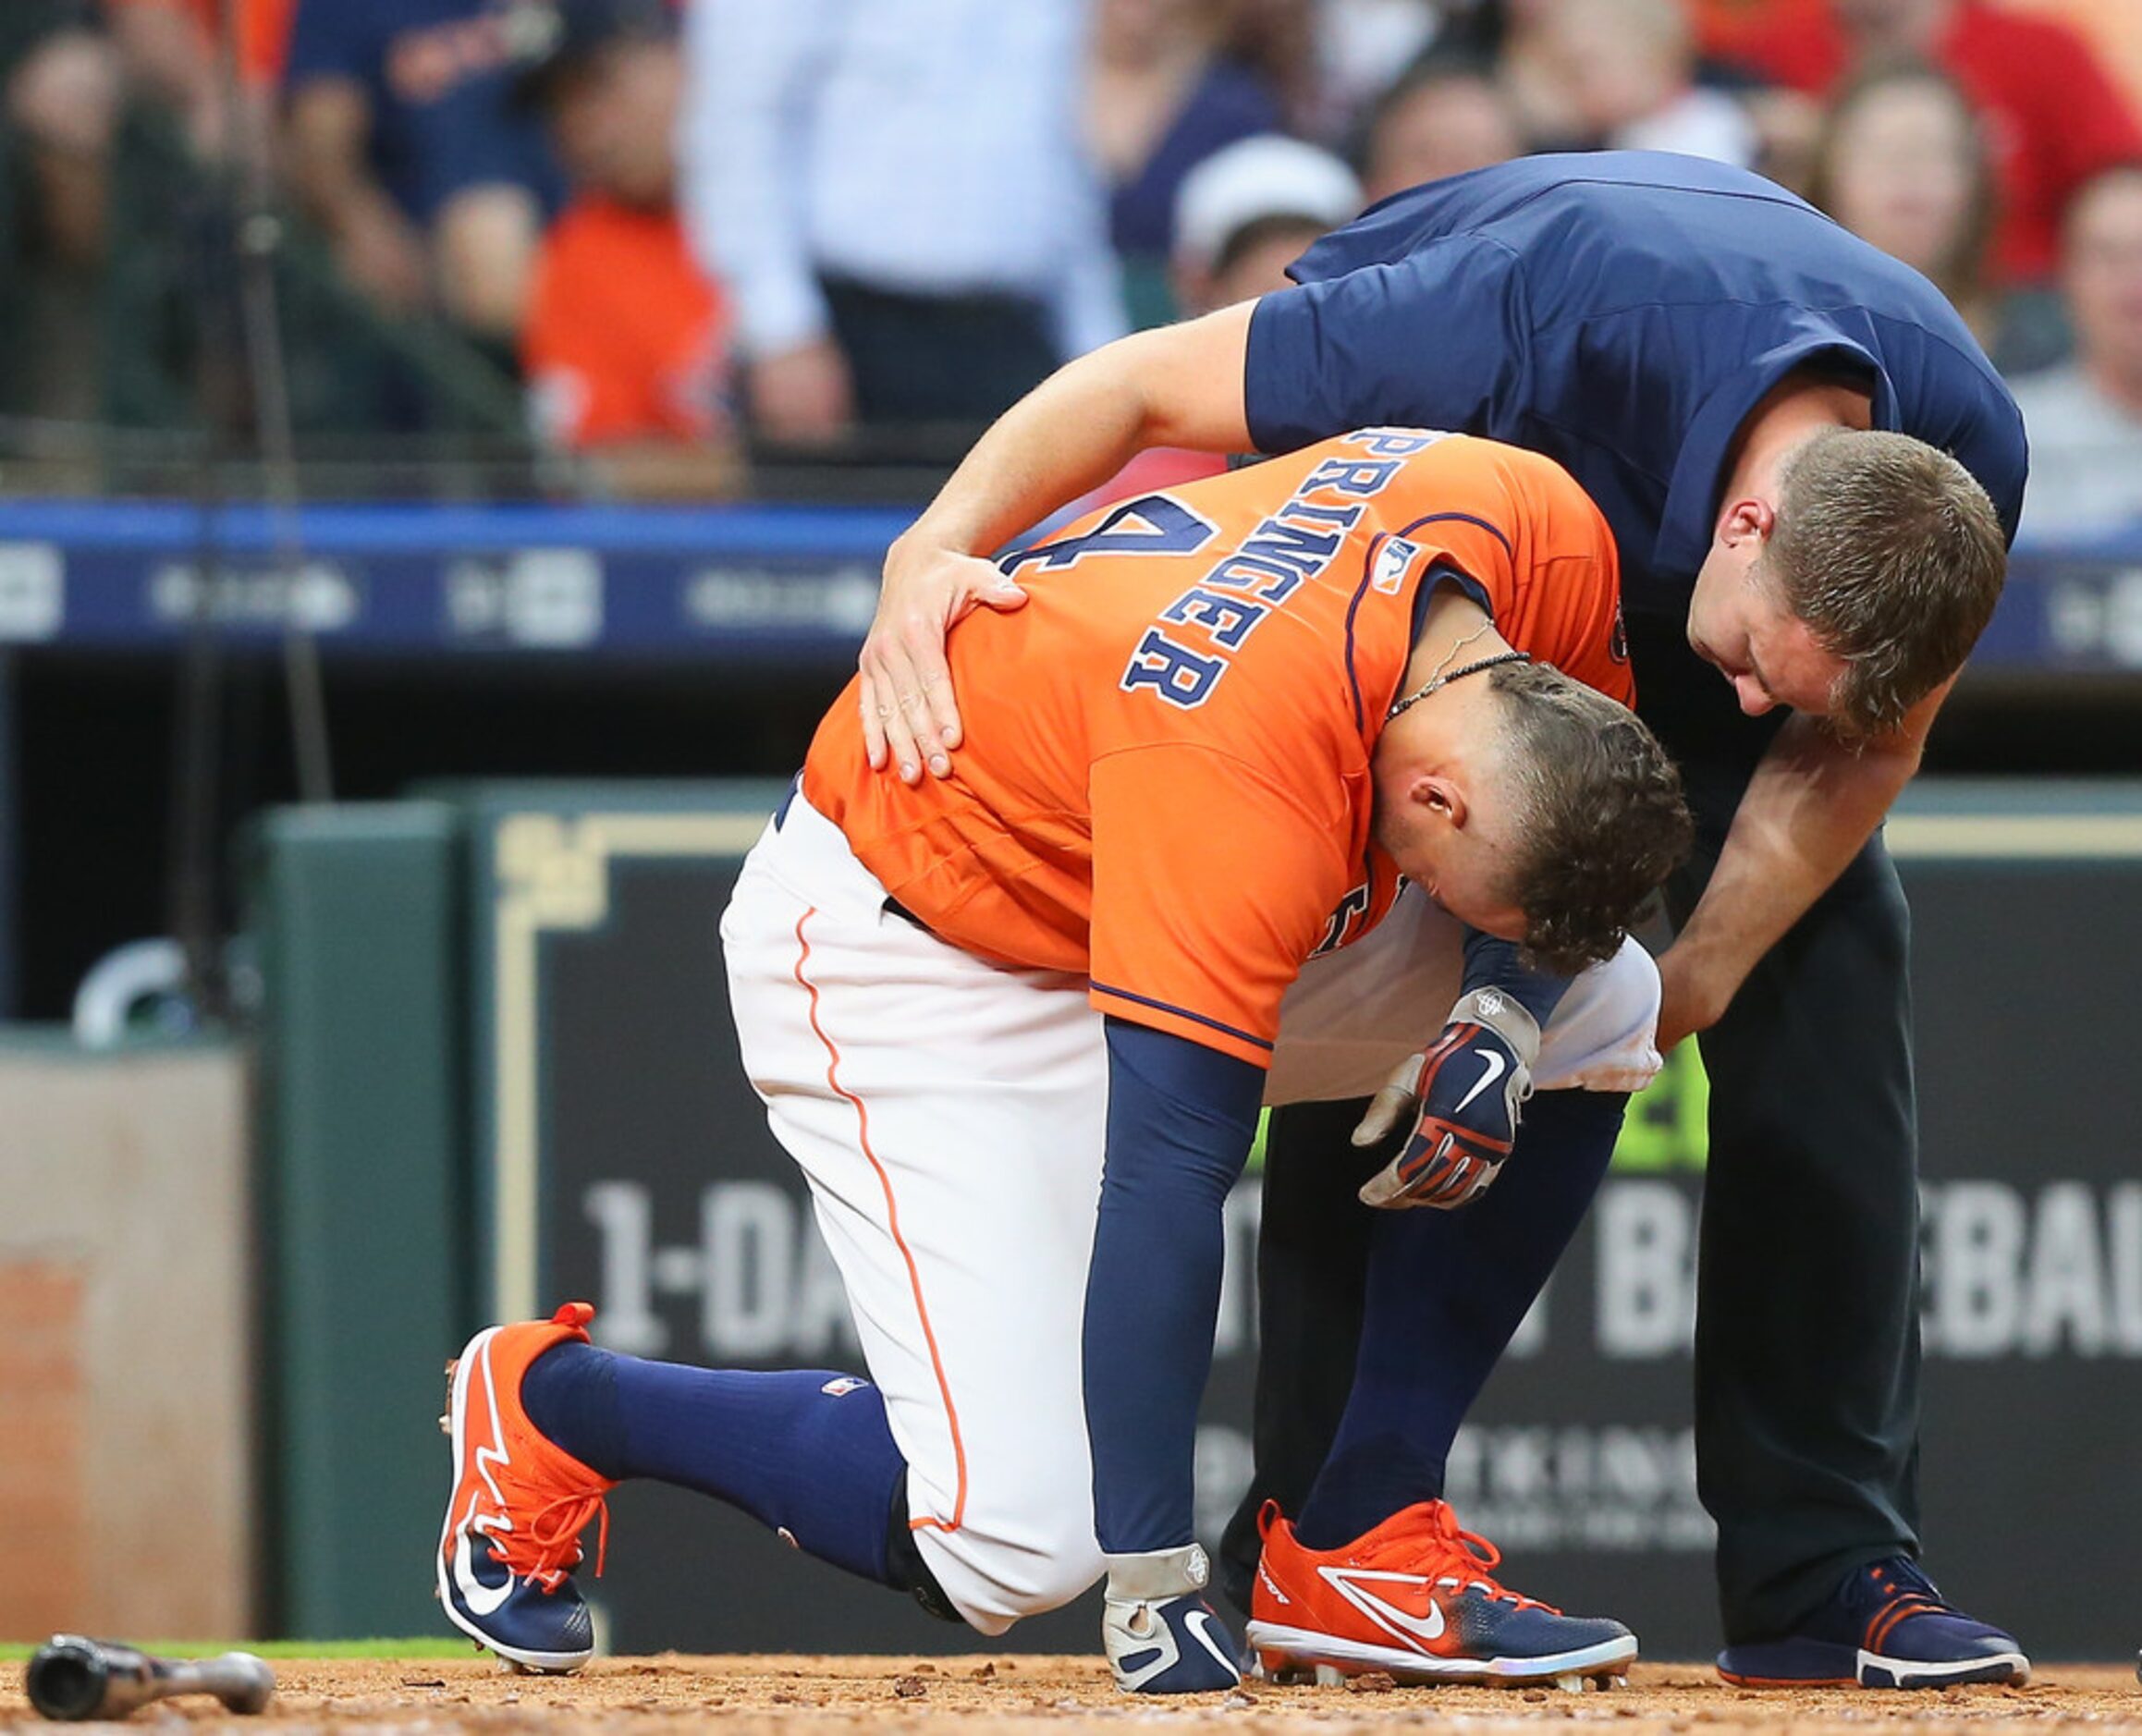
{"points": [[624, 1158]]}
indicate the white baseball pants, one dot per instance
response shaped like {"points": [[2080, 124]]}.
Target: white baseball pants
{"points": [[950, 1116]]}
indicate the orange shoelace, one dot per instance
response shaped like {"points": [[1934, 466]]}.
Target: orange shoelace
{"points": [[1464, 1557], [1901, 1604], [546, 1556]]}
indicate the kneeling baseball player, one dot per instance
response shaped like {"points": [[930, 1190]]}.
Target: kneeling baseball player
{"points": [[1015, 1027]]}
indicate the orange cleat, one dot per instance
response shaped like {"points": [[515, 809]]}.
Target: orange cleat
{"points": [[519, 1504], [1414, 1599]]}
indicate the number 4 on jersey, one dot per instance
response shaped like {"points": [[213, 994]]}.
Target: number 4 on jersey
{"points": [[1152, 524]]}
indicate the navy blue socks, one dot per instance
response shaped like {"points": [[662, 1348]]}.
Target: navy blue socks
{"points": [[1446, 1291], [806, 1451]]}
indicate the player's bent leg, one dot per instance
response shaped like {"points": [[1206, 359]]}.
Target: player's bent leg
{"points": [[804, 1451], [949, 1118], [960, 1472], [1463, 1280]]}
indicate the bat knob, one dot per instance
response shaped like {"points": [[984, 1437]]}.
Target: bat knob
{"points": [[247, 1685]]}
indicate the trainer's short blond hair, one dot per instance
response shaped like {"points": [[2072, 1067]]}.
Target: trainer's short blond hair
{"points": [[1890, 551]]}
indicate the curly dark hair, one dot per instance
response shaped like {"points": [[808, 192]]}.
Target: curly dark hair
{"points": [[1600, 820]]}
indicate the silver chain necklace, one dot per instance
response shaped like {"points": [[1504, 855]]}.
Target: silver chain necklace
{"points": [[1439, 679]]}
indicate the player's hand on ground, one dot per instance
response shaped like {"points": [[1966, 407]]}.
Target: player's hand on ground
{"points": [[1160, 1634], [910, 718], [1462, 1096]]}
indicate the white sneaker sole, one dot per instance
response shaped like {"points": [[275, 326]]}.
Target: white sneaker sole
{"points": [[1604, 1664], [1877, 1671]]}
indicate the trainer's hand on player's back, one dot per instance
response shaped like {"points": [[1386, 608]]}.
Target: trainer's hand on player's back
{"points": [[910, 718]]}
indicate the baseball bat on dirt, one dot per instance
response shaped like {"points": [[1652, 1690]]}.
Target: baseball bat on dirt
{"points": [[73, 1678]]}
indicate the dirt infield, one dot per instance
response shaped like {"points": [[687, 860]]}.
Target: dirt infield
{"points": [[984, 1697]]}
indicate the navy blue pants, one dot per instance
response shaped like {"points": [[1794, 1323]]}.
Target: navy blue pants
{"points": [[1806, 1393]]}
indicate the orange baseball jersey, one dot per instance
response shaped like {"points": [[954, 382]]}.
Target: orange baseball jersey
{"points": [[1166, 787]]}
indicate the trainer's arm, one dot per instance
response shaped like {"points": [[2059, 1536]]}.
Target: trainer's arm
{"points": [[1179, 386], [1811, 806]]}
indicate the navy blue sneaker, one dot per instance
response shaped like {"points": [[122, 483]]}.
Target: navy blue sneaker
{"points": [[512, 1532], [1160, 1634], [1887, 1626]]}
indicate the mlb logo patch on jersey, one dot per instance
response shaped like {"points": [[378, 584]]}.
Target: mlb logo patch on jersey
{"points": [[1391, 561]]}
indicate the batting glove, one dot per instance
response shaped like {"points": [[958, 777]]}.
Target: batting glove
{"points": [[1160, 1634], [1463, 1095]]}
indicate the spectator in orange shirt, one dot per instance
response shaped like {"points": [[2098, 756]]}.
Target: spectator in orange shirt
{"points": [[626, 345], [2053, 114]]}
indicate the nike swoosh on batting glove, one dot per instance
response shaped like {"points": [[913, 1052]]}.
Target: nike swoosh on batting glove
{"points": [[1463, 1095]]}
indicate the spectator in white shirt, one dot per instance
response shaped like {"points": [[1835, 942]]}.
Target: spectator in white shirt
{"points": [[2085, 419], [898, 195]]}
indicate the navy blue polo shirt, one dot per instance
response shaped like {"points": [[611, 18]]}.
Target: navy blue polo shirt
{"points": [[1621, 311]]}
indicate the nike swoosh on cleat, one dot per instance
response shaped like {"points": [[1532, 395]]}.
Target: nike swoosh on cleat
{"points": [[1348, 1583], [1489, 1074], [482, 1599]]}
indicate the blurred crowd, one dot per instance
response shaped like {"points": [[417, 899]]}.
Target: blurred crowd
{"points": [[676, 239]]}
